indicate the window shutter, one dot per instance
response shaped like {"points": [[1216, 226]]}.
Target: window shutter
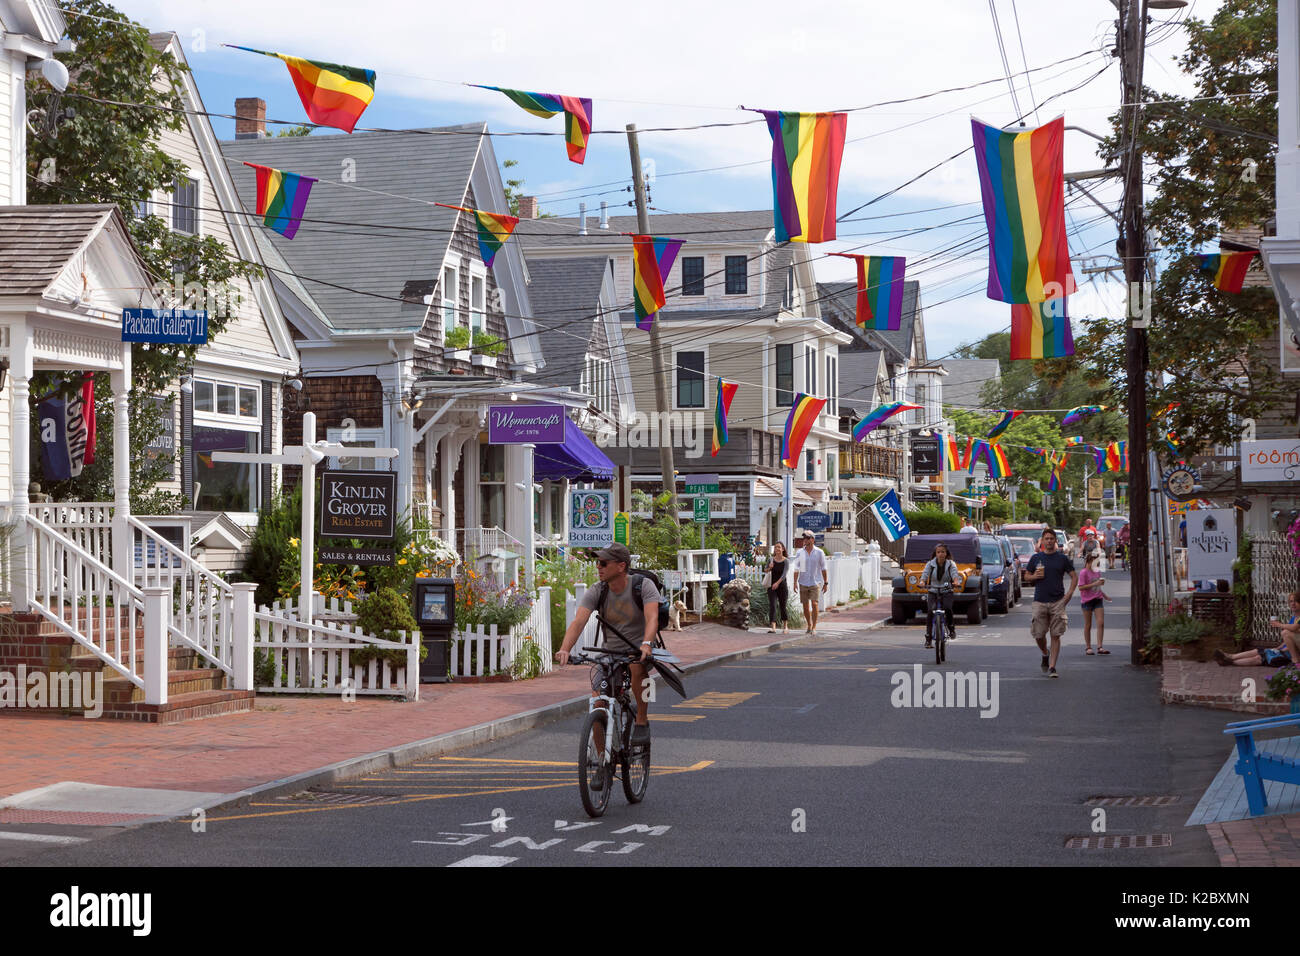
{"points": [[265, 482], [187, 448]]}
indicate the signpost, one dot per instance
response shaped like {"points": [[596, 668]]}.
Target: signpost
{"points": [[926, 457], [358, 504], [591, 518], [700, 484], [702, 516], [621, 522]]}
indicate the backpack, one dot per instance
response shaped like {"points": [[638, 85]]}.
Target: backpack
{"points": [[638, 576]]}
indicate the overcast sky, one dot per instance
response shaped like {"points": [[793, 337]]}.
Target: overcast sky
{"points": [[676, 64]]}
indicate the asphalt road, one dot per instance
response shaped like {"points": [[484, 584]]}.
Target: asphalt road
{"points": [[797, 757]]}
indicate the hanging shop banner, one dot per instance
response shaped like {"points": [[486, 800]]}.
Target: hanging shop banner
{"points": [[926, 457], [526, 424], [591, 518], [67, 433], [1270, 460], [164, 444], [1211, 544], [166, 326], [816, 521], [889, 512], [358, 504]]}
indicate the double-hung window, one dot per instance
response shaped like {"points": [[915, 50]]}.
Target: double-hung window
{"points": [[692, 275], [227, 417], [785, 375], [450, 292], [690, 380], [477, 298], [737, 275], [185, 206]]}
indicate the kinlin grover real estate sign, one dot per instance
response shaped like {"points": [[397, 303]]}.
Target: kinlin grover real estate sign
{"points": [[358, 504]]}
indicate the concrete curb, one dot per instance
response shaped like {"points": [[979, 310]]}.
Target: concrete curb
{"points": [[454, 740]]}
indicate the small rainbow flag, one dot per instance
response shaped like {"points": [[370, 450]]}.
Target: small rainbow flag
{"points": [[1117, 455], [880, 290], [726, 392], [1076, 440], [979, 449], [332, 95], [1058, 470], [878, 417], [1008, 416], [1079, 413], [1041, 330], [1101, 458], [576, 110], [999, 467], [1228, 268], [281, 198], [1023, 187], [1164, 411], [803, 415], [952, 457], [806, 151], [493, 230], [652, 259], [1171, 442]]}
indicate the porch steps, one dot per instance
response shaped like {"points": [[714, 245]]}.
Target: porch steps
{"points": [[193, 690]]}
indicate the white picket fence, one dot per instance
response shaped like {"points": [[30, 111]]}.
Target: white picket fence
{"points": [[845, 573], [482, 650], [317, 658]]}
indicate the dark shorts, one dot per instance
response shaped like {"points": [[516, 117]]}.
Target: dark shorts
{"points": [[1093, 604]]}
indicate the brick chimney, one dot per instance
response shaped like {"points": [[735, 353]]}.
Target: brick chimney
{"points": [[528, 208], [250, 122]]}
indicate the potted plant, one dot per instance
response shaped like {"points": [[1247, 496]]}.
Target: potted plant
{"points": [[456, 344], [1285, 686], [487, 348]]}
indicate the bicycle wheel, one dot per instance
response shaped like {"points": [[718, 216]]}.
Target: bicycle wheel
{"points": [[943, 641], [594, 778], [940, 632], [636, 763]]}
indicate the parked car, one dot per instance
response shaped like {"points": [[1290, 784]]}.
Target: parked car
{"points": [[1025, 549], [1010, 550], [1066, 543], [971, 594], [1000, 565]]}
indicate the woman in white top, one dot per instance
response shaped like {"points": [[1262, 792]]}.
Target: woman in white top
{"points": [[939, 572]]}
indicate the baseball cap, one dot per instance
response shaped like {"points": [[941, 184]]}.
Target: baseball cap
{"points": [[616, 552], [808, 534]]}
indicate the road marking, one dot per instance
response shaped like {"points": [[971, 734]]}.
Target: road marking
{"points": [[716, 700], [42, 838], [482, 860], [677, 718]]}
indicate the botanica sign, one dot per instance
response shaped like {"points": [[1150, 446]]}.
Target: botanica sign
{"points": [[526, 424], [357, 504]]}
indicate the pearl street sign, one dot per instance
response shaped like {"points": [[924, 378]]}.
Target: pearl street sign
{"points": [[358, 504]]}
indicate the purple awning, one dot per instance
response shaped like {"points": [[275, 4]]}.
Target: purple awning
{"points": [[577, 458]]}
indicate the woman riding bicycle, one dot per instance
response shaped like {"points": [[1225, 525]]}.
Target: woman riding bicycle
{"points": [[939, 577]]}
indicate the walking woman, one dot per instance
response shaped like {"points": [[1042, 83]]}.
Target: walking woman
{"points": [[1090, 593], [778, 592]]}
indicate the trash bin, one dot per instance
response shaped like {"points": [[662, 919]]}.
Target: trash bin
{"points": [[435, 612], [726, 567]]}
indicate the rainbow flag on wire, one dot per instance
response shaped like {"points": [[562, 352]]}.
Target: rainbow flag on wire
{"points": [[1041, 330], [806, 151], [880, 290], [576, 110], [1023, 187], [999, 467], [332, 95], [281, 198], [878, 417], [803, 415], [652, 259], [726, 392], [1228, 268], [1057, 465], [973, 458], [1008, 416], [493, 230], [1079, 413]]}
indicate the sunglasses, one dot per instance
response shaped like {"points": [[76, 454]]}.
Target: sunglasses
{"points": [[600, 563]]}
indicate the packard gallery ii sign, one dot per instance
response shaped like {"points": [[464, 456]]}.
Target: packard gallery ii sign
{"points": [[526, 424], [165, 326], [358, 504]]}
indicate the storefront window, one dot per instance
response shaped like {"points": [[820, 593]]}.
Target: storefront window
{"points": [[492, 486], [223, 486]]}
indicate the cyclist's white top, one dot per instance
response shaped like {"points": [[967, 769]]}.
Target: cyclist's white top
{"points": [[931, 569]]}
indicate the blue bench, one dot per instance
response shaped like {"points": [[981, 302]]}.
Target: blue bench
{"points": [[1255, 765]]}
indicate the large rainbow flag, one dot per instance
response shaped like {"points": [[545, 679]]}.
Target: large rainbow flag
{"points": [[1057, 465], [493, 230], [652, 259], [1008, 416], [576, 110], [281, 198], [1228, 268], [999, 467], [880, 290], [1117, 456], [955, 460], [806, 151], [980, 447], [332, 95], [1041, 330], [726, 392], [803, 415], [878, 417], [1023, 187]]}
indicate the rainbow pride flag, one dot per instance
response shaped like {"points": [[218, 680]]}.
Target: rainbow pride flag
{"points": [[493, 230], [1075, 440], [1079, 413], [281, 198], [980, 447], [806, 151], [1117, 456], [726, 392], [1058, 471], [1228, 268], [1041, 330], [652, 259], [1023, 187], [878, 417], [332, 95], [1008, 416], [999, 467], [803, 415], [880, 290], [952, 457], [576, 110]]}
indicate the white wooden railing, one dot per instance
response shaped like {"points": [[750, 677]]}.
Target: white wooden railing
{"points": [[482, 650], [317, 658], [88, 524]]}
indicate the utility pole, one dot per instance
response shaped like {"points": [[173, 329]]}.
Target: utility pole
{"points": [[1131, 246], [656, 349]]}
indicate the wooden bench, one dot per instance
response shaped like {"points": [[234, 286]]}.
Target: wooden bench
{"points": [[1255, 765]]}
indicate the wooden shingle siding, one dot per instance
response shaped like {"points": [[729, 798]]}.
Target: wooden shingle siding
{"points": [[359, 397]]}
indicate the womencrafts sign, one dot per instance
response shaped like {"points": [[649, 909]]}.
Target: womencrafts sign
{"points": [[526, 424]]}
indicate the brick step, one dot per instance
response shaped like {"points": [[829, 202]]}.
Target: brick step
{"points": [[119, 690], [182, 707], [78, 657]]}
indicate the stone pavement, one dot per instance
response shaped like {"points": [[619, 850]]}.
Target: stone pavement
{"points": [[288, 736], [1263, 841], [1212, 685]]}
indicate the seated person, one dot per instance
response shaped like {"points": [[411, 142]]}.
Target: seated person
{"points": [[1288, 653]]}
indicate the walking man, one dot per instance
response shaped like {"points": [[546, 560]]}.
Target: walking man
{"points": [[811, 562], [1046, 571]]}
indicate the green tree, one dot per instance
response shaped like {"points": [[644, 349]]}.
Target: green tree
{"points": [[1212, 155], [513, 187], [302, 129]]}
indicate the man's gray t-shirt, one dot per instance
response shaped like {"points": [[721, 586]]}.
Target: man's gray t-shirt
{"points": [[621, 613]]}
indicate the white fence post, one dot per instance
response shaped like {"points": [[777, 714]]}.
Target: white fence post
{"points": [[413, 666], [156, 601], [242, 652], [871, 569]]}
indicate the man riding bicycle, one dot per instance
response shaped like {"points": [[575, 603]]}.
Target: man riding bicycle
{"points": [[939, 577]]}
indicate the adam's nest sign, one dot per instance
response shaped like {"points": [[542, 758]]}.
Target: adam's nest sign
{"points": [[358, 504]]}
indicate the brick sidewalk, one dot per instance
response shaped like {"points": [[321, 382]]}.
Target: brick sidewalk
{"points": [[285, 736], [1265, 841], [1211, 685]]}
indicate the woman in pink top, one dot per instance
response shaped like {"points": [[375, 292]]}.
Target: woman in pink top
{"points": [[1090, 593]]}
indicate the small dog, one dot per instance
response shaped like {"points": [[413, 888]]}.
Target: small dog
{"points": [[675, 615]]}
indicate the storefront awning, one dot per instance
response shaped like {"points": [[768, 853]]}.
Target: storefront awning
{"points": [[577, 458]]}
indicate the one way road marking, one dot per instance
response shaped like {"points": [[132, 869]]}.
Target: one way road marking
{"points": [[480, 860]]}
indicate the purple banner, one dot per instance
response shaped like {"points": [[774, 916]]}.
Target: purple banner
{"points": [[526, 424]]}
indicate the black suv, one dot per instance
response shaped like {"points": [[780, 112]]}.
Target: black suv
{"points": [[1000, 566]]}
